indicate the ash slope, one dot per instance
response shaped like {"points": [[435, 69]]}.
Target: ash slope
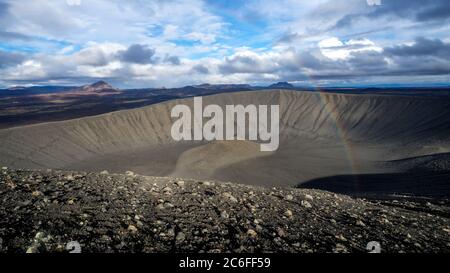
{"points": [[321, 135], [43, 211]]}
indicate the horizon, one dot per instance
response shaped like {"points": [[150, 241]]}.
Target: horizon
{"points": [[343, 86], [150, 44]]}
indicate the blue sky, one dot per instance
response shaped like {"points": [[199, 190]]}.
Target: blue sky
{"points": [[169, 43]]}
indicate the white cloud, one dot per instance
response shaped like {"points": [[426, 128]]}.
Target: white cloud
{"points": [[335, 49], [126, 22]]}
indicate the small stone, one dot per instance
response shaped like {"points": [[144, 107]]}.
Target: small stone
{"points": [[171, 232], [132, 229], [36, 193], [179, 183], [224, 215], [39, 236], [70, 178], [341, 238], [281, 232], [129, 173], [168, 205], [32, 249], [70, 202], [340, 249], [289, 197], [105, 172], [230, 197], [288, 213], [4, 168], [360, 223], [306, 204], [252, 233], [105, 238], [308, 197], [180, 237], [167, 190]]}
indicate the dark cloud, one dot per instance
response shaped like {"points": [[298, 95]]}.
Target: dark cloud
{"points": [[415, 10], [172, 60], [368, 62], [425, 57], [139, 54], [244, 64], [8, 35], [421, 47], [10, 59], [3, 7], [435, 13], [288, 38], [201, 69]]}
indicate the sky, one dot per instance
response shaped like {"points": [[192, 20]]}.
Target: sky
{"points": [[172, 43]]}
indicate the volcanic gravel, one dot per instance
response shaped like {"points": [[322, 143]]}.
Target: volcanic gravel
{"points": [[50, 211]]}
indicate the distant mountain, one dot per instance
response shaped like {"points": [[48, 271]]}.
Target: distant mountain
{"points": [[284, 85], [34, 90], [100, 86], [223, 86]]}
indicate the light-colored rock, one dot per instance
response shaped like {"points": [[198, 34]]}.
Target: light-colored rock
{"points": [[70, 178], [230, 197], [180, 237], [308, 197], [132, 229], [224, 215], [288, 213], [180, 183], [306, 204], [289, 197], [252, 233], [36, 193]]}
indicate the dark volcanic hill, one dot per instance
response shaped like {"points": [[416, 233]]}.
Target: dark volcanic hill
{"points": [[281, 85], [100, 86]]}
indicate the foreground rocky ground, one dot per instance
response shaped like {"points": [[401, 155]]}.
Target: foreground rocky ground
{"points": [[43, 211]]}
